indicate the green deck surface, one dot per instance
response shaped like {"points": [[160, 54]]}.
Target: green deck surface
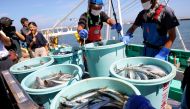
{"points": [[175, 90]]}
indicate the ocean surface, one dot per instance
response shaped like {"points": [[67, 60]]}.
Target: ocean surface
{"points": [[184, 29]]}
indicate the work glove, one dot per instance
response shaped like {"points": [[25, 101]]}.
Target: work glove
{"points": [[138, 102], [164, 52], [83, 34], [126, 38], [117, 26]]}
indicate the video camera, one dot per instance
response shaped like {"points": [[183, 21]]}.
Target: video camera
{"points": [[6, 26]]}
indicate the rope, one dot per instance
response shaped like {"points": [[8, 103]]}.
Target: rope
{"points": [[77, 6]]}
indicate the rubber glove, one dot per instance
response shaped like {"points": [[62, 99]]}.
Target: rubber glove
{"points": [[117, 26], [138, 102], [83, 34], [126, 38], [164, 52]]}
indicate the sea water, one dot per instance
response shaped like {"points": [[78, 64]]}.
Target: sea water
{"points": [[184, 29]]}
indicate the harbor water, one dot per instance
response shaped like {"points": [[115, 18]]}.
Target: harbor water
{"points": [[184, 29]]}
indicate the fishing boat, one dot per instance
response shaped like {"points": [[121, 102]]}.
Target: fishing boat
{"points": [[178, 57]]}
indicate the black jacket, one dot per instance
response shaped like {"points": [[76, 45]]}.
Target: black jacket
{"points": [[186, 83]]}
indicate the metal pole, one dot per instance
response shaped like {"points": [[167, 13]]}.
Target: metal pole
{"points": [[180, 37], [120, 16], [181, 40], [108, 27]]}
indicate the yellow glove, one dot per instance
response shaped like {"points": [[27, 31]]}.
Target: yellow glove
{"points": [[77, 36]]}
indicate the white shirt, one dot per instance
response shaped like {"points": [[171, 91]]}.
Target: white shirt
{"points": [[3, 50]]}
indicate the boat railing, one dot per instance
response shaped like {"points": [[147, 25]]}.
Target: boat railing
{"points": [[59, 31]]}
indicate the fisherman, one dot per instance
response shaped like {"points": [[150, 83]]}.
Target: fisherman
{"points": [[91, 22], [158, 23], [5, 62]]}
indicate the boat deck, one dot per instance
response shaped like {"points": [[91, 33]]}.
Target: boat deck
{"points": [[175, 104]]}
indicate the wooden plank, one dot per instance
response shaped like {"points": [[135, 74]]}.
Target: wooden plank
{"points": [[21, 97]]}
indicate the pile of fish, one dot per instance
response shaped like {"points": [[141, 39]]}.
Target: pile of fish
{"points": [[52, 80], [141, 72], [103, 98], [25, 67]]}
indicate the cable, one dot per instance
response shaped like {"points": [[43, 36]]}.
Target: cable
{"points": [[114, 14]]}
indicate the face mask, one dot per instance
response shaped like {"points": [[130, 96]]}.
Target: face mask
{"points": [[95, 12], [146, 5]]}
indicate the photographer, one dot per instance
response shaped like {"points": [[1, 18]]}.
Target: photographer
{"points": [[5, 62], [10, 31]]}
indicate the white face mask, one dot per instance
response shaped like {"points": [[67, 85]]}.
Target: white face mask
{"points": [[146, 5], [95, 12]]}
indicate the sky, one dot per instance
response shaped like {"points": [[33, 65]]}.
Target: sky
{"points": [[47, 12]]}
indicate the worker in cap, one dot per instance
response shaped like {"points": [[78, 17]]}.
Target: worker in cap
{"points": [[91, 22]]}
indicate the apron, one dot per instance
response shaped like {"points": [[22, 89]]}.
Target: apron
{"points": [[94, 33], [152, 40]]}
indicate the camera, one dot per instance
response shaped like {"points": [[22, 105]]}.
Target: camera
{"points": [[9, 30], [6, 27]]}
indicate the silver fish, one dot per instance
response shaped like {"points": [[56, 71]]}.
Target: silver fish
{"points": [[59, 77], [50, 83], [68, 104], [149, 74], [141, 72], [53, 76], [114, 94], [95, 99], [130, 74], [137, 77], [142, 76], [39, 83], [65, 77], [155, 70], [122, 73], [84, 97]]}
